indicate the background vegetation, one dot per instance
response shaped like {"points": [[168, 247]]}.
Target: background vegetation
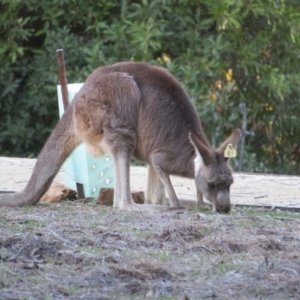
{"points": [[223, 52]]}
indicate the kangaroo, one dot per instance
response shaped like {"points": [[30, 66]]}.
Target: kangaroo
{"points": [[134, 109]]}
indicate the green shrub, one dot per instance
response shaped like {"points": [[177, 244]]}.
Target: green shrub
{"points": [[223, 52]]}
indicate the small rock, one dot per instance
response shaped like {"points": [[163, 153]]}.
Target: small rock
{"points": [[138, 197], [58, 192], [106, 197]]}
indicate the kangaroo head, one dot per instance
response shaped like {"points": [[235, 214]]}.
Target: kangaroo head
{"points": [[213, 174]]}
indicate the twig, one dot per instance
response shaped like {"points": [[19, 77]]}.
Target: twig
{"points": [[8, 271], [62, 239]]}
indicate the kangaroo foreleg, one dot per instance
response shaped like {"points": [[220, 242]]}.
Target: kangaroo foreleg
{"points": [[192, 204], [200, 202], [155, 189], [58, 147], [165, 179]]}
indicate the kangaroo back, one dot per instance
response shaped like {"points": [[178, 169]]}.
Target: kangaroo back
{"points": [[166, 115]]}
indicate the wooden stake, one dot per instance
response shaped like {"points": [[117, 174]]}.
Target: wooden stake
{"points": [[64, 91]]}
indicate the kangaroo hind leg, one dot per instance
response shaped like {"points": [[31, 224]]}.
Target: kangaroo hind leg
{"points": [[122, 193], [105, 116]]}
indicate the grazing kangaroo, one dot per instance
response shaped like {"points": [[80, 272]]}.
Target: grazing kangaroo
{"points": [[135, 109]]}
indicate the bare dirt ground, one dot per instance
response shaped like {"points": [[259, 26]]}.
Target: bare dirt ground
{"points": [[73, 250], [253, 189]]}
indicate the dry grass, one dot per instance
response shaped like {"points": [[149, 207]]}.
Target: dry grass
{"points": [[76, 251]]}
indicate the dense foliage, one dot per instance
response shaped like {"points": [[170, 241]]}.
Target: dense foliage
{"points": [[224, 53]]}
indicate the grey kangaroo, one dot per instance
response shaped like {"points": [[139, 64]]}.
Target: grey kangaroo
{"points": [[133, 109]]}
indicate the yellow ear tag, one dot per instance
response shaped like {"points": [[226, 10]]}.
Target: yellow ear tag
{"points": [[230, 151]]}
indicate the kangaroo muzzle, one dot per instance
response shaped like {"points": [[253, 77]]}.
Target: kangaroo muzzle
{"points": [[222, 204], [219, 201]]}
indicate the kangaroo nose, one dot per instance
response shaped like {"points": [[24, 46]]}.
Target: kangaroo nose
{"points": [[223, 202], [223, 208]]}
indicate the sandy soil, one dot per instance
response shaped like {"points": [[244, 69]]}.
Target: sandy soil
{"points": [[254, 189]]}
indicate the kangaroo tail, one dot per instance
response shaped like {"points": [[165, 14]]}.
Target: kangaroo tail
{"points": [[58, 147]]}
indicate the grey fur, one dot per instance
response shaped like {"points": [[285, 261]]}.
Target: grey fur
{"points": [[135, 109]]}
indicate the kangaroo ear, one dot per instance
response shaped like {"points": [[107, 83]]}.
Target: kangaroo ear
{"points": [[202, 151], [232, 139]]}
